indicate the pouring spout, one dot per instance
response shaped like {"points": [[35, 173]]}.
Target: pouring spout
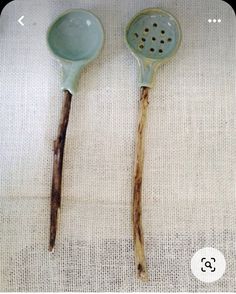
{"points": [[71, 73]]}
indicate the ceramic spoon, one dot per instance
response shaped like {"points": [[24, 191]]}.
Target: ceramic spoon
{"points": [[75, 38], [153, 36]]}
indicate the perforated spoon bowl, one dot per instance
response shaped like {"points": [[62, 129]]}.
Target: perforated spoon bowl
{"points": [[153, 36], [76, 38]]}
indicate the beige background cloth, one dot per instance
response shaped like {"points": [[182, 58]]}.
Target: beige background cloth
{"points": [[188, 188]]}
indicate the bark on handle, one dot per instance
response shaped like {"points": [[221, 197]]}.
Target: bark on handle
{"points": [[58, 150], [137, 189]]}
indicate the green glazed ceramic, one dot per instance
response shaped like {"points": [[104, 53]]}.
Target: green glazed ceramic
{"points": [[76, 37], [154, 36]]}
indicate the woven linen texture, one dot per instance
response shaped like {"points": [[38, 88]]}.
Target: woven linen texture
{"points": [[188, 186]]}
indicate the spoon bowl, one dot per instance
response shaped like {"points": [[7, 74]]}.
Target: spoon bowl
{"points": [[76, 37], [153, 36]]}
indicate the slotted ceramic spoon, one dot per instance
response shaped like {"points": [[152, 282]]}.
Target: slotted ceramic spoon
{"points": [[153, 36], [75, 38]]}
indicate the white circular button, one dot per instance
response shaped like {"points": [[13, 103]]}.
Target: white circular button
{"points": [[208, 264]]}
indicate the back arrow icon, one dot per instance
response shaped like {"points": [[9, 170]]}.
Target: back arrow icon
{"points": [[20, 20]]}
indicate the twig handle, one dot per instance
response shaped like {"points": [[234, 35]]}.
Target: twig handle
{"points": [[58, 152], [137, 189]]}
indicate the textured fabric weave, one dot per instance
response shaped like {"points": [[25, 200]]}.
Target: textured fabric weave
{"points": [[188, 188]]}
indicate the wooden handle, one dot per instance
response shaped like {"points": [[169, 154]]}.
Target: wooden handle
{"points": [[137, 189], [58, 150]]}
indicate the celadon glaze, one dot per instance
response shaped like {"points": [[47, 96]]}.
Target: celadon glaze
{"points": [[154, 36], [76, 37]]}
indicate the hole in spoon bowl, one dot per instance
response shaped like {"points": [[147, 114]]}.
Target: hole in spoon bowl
{"points": [[152, 36]]}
